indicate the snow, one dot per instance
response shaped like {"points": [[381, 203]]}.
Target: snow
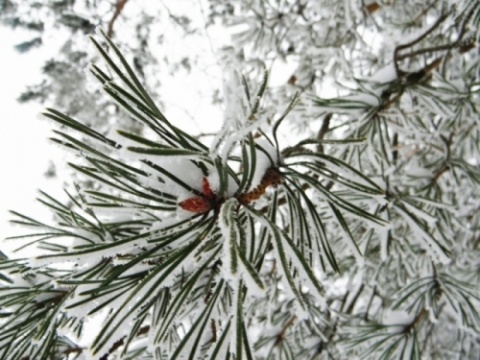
{"points": [[231, 235], [285, 248], [214, 181], [397, 317], [384, 235], [430, 244], [182, 168], [385, 75], [420, 214]]}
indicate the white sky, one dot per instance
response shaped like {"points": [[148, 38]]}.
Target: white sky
{"points": [[25, 153]]}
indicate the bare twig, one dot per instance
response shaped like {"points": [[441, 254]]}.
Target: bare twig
{"points": [[73, 350], [423, 12], [142, 331], [323, 131], [370, 302], [118, 10], [418, 319], [425, 50], [450, 46], [437, 23], [354, 301], [281, 335], [431, 49], [395, 148], [439, 173]]}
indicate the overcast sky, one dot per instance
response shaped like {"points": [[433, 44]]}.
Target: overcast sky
{"points": [[25, 153]]}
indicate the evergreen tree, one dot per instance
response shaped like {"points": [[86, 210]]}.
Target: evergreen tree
{"points": [[333, 217]]}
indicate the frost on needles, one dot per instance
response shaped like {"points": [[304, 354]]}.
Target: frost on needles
{"points": [[237, 250], [177, 241]]}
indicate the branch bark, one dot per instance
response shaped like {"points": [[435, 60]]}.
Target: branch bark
{"points": [[118, 10]]}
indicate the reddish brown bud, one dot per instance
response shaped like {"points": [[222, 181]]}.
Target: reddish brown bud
{"points": [[201, 204], [207, 191], [196, 204]]}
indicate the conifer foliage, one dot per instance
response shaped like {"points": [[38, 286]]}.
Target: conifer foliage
{"points": [[357, 241]]}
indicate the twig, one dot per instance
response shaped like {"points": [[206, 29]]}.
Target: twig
{"points": [[395, 148], [450, 46], [370, 301], [354, 301], [423, 12], [430, 49], [437, 23], [426, 50], [281, 335], [442, 171], [118, 9], [461, 33], [142, 331], [323, 131], [416, 76], [73, 350], [50, 302], [411, 327]]}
